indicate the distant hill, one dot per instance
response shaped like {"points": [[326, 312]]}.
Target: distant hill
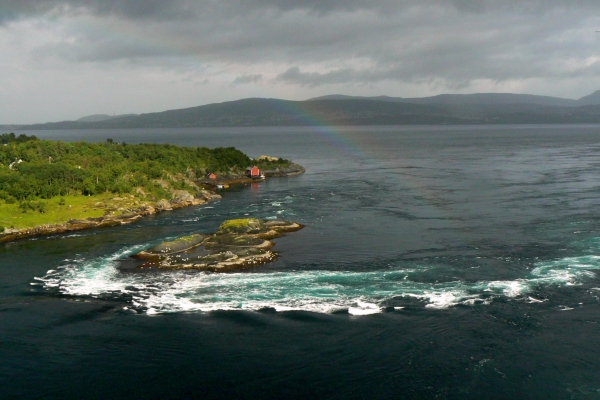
{"points": [[591, 99], [102, 117], [482, 108], [478, 98]]}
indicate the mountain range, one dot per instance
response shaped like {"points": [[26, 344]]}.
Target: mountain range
{"points": [[449, 109], [479, 98]]}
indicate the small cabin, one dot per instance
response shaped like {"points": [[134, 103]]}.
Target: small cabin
{"points": [[211, 175], [253, 172]]}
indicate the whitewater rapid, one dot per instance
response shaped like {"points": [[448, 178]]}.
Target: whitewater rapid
{"points": [[322, 291]]}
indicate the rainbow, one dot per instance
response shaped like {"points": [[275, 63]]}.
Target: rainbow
{"points": [[367, 149]]}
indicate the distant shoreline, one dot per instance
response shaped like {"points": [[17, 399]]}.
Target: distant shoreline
{"points": [[363, 124], [480, 109]]}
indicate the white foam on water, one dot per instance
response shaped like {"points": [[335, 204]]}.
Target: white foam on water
{"points": [[364, 308], [361, 293], [567, 271], [444, 299], [358, 293], [72, 235], [534, 300], [90, 278], [509, 288]]}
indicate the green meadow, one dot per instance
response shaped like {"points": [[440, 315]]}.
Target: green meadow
{"points": [[56, 211]]}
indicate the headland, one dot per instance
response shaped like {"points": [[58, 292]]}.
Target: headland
{"points": [[50, 187]]}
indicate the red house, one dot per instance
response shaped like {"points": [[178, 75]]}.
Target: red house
{"points": [[253, 172], [211, 176]]}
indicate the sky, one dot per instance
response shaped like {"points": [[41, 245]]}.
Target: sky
{"points": [[65, 59]]}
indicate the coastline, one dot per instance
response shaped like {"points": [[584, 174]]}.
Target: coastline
{"points": [[181, 199], [125, 218], [291, 170]]}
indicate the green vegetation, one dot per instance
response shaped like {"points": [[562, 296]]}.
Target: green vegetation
{"points": [[27, 205], [44, 181], [242, 225], [77, 207], [238, 223], [42, 169], [271, 164], [11, 138]]}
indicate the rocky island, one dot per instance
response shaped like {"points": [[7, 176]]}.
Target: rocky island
{"points": [[238, 244]]}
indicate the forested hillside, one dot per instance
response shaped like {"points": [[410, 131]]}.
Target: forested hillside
{"points": [[40, 169]]}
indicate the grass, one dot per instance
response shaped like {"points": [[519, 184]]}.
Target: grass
{"points": [[75, 207], [238, 223], [272, 165]]}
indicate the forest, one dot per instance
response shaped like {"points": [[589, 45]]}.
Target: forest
{"points": [[32, 169]]}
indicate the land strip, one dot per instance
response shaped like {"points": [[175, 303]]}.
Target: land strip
{"points": [[51, 187]]}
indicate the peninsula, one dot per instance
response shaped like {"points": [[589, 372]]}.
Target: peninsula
{"points": [[49, 187]]}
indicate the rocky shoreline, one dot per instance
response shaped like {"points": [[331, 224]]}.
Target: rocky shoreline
{"points": [[277, 172], [238, 244], [181, 199], [291, 170]]}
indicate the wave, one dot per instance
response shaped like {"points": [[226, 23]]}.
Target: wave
{"points": [[358, 293]]}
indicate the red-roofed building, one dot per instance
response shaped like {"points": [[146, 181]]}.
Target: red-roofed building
{"points": [[253, 172]]}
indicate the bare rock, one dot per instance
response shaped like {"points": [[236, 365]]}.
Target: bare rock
{"points": [[163, 205], [291, 170], [238, 244], [180, 196]]}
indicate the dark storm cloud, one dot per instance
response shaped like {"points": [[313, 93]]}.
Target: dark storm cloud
{"points": [[132, 9], [161, 9], [323, 42], [158, 9]]}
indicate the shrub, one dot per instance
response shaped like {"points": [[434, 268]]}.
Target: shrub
{"points": [[27, 205]]}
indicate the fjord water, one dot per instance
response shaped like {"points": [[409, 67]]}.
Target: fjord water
{"points": [[436, 262]]}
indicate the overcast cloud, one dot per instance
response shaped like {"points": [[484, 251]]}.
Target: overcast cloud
{"points": [[66, 59]]}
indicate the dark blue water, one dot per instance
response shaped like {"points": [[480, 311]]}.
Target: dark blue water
{"points": [[436, 262]]}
